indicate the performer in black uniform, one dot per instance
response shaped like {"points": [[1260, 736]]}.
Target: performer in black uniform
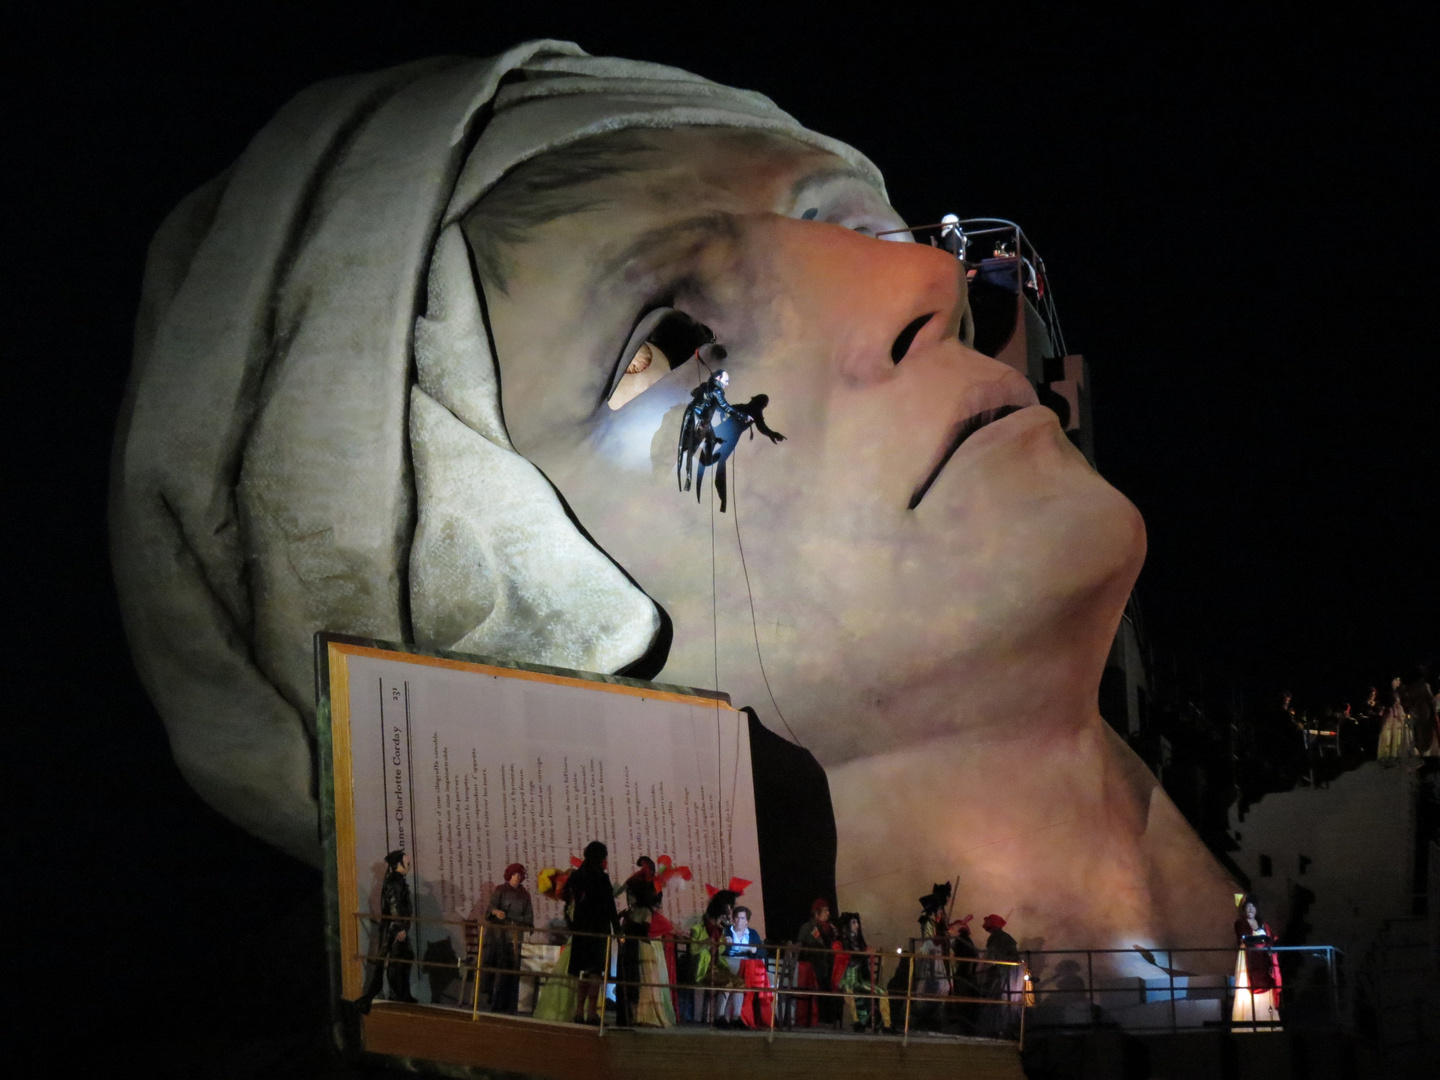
{"points": [[396, 953], [712, 428], [590, 906]]}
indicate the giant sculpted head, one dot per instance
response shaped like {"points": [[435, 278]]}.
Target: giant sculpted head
{"points": [[385, 385]]}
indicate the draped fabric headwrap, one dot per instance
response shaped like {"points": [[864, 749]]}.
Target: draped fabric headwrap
{"points": [[313, 437]]}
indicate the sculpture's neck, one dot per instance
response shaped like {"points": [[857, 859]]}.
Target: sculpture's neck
{"points": [[1024, 690]]}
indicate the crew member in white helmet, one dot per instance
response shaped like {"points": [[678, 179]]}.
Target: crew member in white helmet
{"points": [[952, 236]]}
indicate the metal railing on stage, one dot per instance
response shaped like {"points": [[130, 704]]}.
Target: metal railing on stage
{"points": [[788, 999], [1159, 989]]}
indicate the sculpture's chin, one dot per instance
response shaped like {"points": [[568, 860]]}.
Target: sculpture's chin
{"points": [[873, 647]]}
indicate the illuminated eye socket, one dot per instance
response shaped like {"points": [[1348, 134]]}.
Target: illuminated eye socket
{"points": [[664, 339], [647, 367], [811, 214]]}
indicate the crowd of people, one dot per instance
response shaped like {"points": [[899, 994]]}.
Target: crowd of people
{"points": [[1396, 725], [718, 971], [1216, 753]]}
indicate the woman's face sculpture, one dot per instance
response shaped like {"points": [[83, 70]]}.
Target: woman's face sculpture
{"points": [[897, 541]]}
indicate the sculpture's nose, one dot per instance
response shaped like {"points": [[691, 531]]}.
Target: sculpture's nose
{"points": [[893, 313], [878, 329]]}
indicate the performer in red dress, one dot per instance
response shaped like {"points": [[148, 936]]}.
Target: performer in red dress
{"points": [[1257, 970]]}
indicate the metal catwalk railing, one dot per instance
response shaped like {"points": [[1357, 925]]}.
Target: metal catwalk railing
{"points": [[1005, 1002], [1128, 988], [998, 244]]}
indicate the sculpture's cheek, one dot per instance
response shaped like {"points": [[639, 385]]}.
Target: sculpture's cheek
{"points": [[640, 437]]}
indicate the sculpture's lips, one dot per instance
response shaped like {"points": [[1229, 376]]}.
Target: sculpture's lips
{"points": [[963, 430]]}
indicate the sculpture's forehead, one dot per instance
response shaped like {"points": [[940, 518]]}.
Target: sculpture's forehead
{"points": [[638, 204], [726, 169], [754, 161], [607, 189]]}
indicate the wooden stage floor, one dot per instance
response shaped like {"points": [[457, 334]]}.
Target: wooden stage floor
{"points": [[517, 1046]]}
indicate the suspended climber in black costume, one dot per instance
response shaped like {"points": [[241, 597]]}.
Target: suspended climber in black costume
{"points": [[712, 427]]}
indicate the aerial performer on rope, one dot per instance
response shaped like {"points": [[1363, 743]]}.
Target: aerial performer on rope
{"points": [[712, 428]]}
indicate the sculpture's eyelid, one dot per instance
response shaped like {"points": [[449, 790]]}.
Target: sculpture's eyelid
{"points": [[647, 322], [673, 332], [860, 220]]}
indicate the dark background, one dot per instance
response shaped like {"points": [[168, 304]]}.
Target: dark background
{"points": [[1241, 235]]}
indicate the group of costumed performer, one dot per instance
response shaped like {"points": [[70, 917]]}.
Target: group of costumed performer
{"points": [[726, 955], [1257, 970], [948, 963], [646, 955], [720, 983]]}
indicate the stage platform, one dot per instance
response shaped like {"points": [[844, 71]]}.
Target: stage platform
{"points": [[516, 1046]]}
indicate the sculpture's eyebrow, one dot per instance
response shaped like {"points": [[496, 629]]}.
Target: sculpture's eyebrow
{"points": [[700, 229], [691, 233]]}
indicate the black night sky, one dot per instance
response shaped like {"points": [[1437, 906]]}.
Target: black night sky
{"points": [[1241, 235]]}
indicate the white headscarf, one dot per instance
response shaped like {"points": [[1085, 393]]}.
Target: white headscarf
{"points": [[312, 438]]}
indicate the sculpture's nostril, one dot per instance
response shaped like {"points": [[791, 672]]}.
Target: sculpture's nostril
{"points": [[906, 337]]}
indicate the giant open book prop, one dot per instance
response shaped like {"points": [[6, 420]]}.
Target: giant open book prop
{"points": [[469, 765]]}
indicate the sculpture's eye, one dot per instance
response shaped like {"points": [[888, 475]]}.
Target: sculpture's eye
{"points": [[647, 367], [664, 339], [642, 359], [860, 216]]}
